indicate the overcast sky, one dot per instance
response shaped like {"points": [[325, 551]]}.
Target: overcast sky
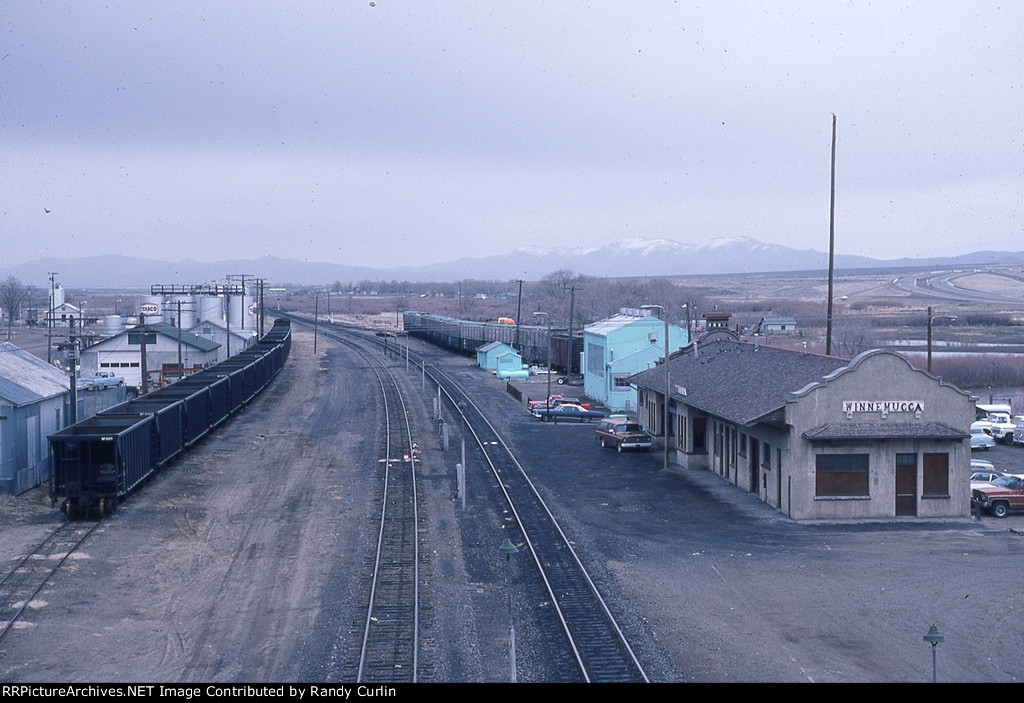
{"points": [[399, 132]]}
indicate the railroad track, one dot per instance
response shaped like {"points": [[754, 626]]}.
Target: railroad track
{"points": [[389, 650], [20, 588], [589, 631], [597, 644]]}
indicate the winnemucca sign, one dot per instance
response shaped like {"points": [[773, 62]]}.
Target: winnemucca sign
{"points": [[882, 406]]}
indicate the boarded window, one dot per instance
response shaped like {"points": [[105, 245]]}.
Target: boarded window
{"points": [[595, 360], [936, 475], [841, 475]]}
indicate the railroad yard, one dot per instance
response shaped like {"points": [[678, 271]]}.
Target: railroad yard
{"points": [[249, 559]]}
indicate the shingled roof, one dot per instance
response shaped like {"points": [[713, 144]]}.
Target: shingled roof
{"points": [[736, 381]]}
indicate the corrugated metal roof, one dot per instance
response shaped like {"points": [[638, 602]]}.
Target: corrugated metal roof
{"points": [[25, 379]]}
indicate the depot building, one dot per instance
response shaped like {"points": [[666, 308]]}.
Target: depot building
{"points": [[817, 437]]}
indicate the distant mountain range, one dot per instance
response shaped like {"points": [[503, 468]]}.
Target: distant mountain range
{"points": [[631, 257]]}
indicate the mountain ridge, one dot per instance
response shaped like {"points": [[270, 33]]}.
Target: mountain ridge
{"points": [[633, 257]]}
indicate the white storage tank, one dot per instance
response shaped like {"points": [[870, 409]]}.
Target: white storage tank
{"points": [[111, 325], [152, 306], [211, 307], [240, 311], [187, 310]]}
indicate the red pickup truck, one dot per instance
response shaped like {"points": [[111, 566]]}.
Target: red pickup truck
{"points": [[1005, 493], [623, 434]]}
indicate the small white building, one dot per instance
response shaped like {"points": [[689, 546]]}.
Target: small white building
{"points": [[778, 324], [231, 340], [122, 353]]}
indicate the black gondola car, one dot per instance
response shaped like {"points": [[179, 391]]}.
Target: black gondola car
{"points": [[97, 462]]}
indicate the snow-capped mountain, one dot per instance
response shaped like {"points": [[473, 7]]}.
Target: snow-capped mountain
{"points": [[626, 258]]}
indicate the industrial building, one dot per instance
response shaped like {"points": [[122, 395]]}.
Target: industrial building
{"points": [[34, 403], [817, 437], [165, 347], [618, 347]]}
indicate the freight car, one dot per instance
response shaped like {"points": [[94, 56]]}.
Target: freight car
{"points": [[466, 336], [100, 460]]}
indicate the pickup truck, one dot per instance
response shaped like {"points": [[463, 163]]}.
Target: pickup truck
{"points": [[999, 425], [622, 434], [1005, 493], [100, 380]]}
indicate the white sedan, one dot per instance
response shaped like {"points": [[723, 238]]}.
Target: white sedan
{"points": [[981, 440]]}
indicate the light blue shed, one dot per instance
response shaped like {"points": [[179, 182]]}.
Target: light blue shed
{"points": [[498, 356], [620, 346]]}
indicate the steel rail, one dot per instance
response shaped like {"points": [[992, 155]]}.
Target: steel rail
{"points": [[25, 583], [371, 623], [446, 383], [582, 570]]}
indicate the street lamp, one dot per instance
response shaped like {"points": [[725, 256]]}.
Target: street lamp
{"points": [[547, 401], [508, 549], [933, 637], [931, 319], [664, 314]]}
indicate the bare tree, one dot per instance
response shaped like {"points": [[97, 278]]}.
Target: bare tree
{"points": [[12, 293], [851, 335]]}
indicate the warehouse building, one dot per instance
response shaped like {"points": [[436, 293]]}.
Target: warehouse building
{"points": [[618, 347], [817, 437], [165, 345], [34, 403]]}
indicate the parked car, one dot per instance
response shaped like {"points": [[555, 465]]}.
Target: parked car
{"points": [[983, 478], [567, 412], [999, 425], [980, 439], [623, 434], [555, 400], [982, 465], [1006, 493]]}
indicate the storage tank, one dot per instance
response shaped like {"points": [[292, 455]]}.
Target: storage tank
{"points": [[111, 325], [239, 306], [187, 309], [211, 307], [152, 306]]}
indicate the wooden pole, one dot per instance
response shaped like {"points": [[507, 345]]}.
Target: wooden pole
{"points": [[831, 242]]}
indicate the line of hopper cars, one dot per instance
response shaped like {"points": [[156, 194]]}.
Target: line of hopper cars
{"points": [[466, 336], [100, 460]]}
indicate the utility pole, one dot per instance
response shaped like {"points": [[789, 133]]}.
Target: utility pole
{"points": [[181, 369], [519, 312], [143, 365], [831, 243], [568, 348], [73, 363], [49, 318]]}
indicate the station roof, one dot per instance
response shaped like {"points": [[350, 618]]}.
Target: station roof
{"points": [[738, 381], [883, 430]]}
